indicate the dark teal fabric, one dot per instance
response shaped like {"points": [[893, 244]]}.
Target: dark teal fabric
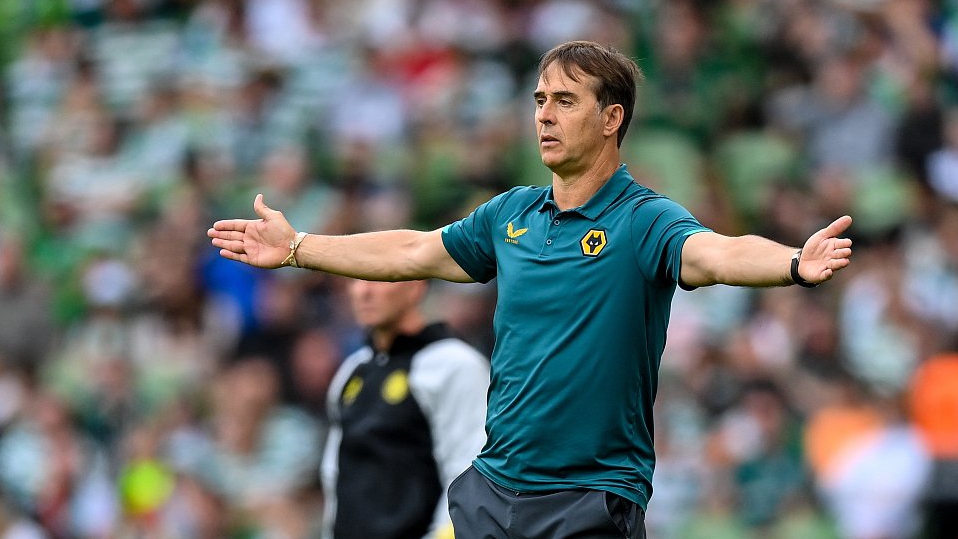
{"points": [[580, 325]]}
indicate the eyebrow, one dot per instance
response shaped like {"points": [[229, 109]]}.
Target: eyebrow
{"points": [[556, 94]]}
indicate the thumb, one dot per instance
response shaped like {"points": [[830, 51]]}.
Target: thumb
{"points": [[261, 209], [837, 227]]}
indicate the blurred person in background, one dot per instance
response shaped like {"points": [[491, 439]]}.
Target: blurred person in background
{"points": [[943, 162], [14, 524], [56, 472], [285, 177], [593, 224], [933, 400], [852, 436], [265, 454], [407, 414], [91, 367], [26, 314], [760, 441], [314, 359]]}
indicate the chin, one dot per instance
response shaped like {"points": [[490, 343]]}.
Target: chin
{"points": [[551, 161], [555, 165]]}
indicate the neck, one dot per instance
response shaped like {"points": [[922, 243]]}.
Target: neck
{"points": [[574, 189], [384, 336]]}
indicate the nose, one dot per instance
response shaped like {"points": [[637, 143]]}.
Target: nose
{"points": [[545, 113]]}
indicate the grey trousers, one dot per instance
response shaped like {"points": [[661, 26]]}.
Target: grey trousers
{"points": [[481, 509]]}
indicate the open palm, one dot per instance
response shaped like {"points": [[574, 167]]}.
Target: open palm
{"points": [[263, 242]]}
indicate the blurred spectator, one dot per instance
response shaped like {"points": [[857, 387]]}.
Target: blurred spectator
{"points": [[35, 82], [157, 142], [848, 440], [55, 472], [281, 30], [145, 482], [302, 199], [26, 315], [843, 126], [132, 51], [264, 452], [15, 525], [880, 338], [943, 163], [762, 440], [934, 404], [88, 365], [314, 360], [408, 415]]}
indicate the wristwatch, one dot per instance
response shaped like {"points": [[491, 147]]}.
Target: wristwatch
{"points": [[796, 277]]}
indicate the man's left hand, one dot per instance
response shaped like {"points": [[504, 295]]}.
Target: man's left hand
{"points": [[825, 253]]}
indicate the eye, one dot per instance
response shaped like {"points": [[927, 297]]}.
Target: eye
{"points": [[540, 101], [565, 102]]}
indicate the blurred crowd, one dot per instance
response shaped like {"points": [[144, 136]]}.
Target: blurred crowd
{"points": [[151, 389]]}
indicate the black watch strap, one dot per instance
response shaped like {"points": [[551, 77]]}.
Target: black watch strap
{"points": [[796, 277]]}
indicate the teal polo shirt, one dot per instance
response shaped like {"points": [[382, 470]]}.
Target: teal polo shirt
{"points": [[580, 324]]}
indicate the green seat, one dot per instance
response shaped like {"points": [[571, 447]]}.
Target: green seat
{"points": [[750, 164], [667, 162]]}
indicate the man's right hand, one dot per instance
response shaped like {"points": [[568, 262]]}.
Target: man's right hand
{"points": [[263, 243]]}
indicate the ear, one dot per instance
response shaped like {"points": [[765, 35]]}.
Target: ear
{"points": [[612, 118]]}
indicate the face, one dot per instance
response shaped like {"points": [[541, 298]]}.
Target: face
{"points": [[381, 305], [569, 122]]}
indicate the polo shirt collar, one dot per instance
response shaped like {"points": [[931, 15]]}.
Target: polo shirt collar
{"points": [[602, 199]]}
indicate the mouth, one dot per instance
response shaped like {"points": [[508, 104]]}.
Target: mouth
{"points": [[548, 140]]}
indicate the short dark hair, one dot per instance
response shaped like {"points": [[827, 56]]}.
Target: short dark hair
{"points": [[618, 75]]}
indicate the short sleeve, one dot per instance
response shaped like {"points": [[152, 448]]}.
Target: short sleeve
{"points": [[469, 242], [659, 230]]}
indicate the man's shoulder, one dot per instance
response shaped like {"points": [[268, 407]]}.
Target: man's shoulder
{"points": [[640, 193], [536, 190], [647, 199], [521, 195]]}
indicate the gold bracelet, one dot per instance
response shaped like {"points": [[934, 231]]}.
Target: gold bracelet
{"points": [[293, 245]]}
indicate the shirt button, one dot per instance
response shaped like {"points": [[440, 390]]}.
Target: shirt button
{"points": [[556, 222], [548, 242]]}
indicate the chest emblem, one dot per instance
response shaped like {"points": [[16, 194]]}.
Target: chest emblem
{"points": [[352, 389], [512, 234], [593, 242], [396, 387]]}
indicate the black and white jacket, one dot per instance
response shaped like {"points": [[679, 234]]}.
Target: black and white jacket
{"points": [[404, 423]]}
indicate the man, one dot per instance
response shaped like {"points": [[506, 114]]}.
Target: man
{"points": [[407, 414], [586, 271]]}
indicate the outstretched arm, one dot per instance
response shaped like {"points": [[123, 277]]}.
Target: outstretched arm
{"points": [[709, 258], [393, 255]]}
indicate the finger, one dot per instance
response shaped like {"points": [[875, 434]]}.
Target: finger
{"points": [[225, 234], [261, 209], [837, 227], [842, 253], [837, 264], [238, 225], [233, 256], [230, 245], [842, 243]]}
